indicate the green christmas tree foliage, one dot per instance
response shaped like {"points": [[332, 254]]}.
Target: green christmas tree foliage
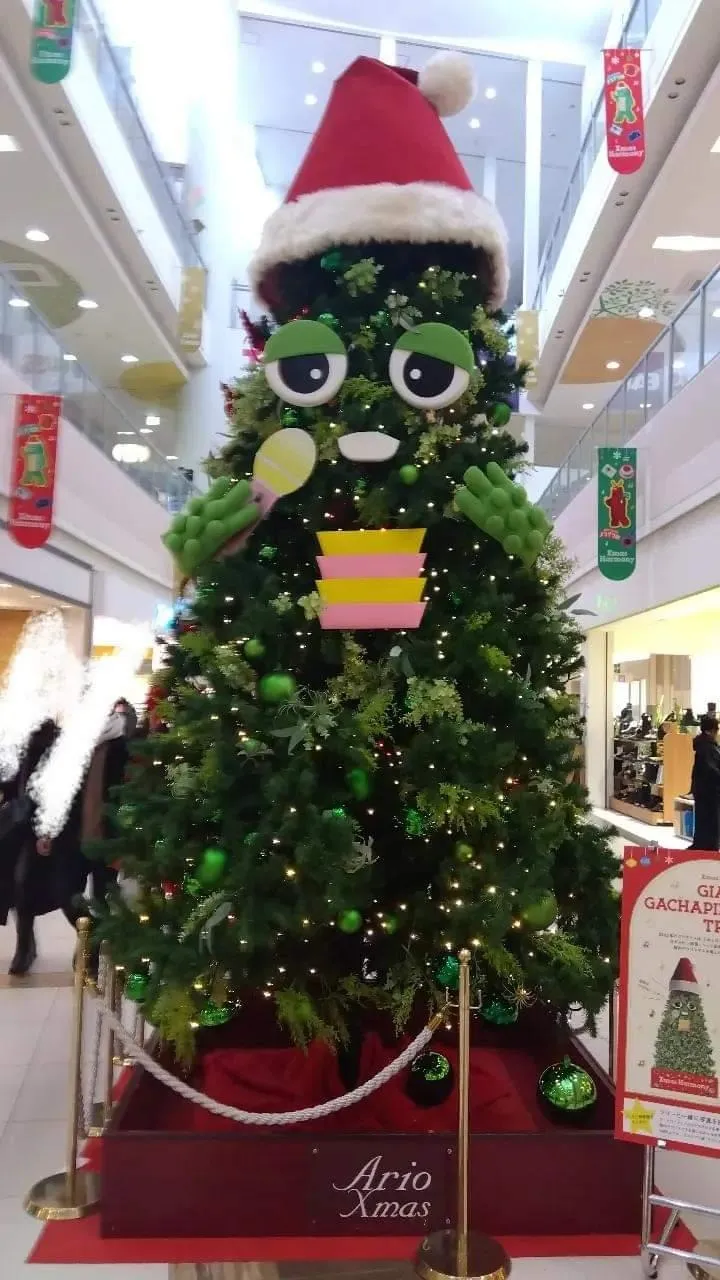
{"points": [[683, 1043], [331, 814]]}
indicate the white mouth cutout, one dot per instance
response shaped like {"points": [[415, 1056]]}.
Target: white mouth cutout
{"points": [[368, 446]]}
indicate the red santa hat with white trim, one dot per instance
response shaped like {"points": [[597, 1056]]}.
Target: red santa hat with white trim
{"points": [[684, 978], [382, 168]]}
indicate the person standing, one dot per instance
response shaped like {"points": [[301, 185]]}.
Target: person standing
{"points": [[705, 786]]}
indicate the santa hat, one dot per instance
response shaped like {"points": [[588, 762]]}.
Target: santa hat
{"points": [[684, 978], [381, 167]]}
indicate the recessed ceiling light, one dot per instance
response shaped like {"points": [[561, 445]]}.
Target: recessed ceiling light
{"points": [[67, 355], [152, 420], [130, 452], [646, 313], [678, 363], [687, 244], [88, 304], [171, 457], [128, 359], [8, 143], [474, 123], [310, 99], [491, 93], [19, 302], [146, 431], [318, 67], [36, 235], [588, 405], [126, 433], [613, 364]]}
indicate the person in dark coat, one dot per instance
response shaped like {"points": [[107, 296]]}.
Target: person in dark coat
{"points": [[104, 772], [705, 786]]}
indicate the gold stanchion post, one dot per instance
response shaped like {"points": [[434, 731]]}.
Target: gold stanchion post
{"points": [[461, 1254], [102, 1110], [76, 1192]]}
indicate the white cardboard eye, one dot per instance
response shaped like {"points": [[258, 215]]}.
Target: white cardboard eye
{"points": [[368, 446], [327, 390], [457, 388]]}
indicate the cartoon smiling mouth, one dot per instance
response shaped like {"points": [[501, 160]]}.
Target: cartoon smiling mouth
{"points": [[368, 446]]}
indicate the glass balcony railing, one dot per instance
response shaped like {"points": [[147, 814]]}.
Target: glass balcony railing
{"points": [[634, 33], [120, 98], [33, 351], [689, 343]]}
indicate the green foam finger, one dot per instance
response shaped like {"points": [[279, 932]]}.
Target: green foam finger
{"points": [[517, 520], [238, 494], [513, 544], [220, 487], [173, 542], [495, 527], [240, 520], [195, 506], [500, 499], [477, 482], [472, 507], [194, 526]]}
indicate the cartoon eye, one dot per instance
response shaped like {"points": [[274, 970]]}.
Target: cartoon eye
{"points": [[305, 362], [430, 366]]}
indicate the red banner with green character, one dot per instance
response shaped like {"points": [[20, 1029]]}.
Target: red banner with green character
{"points": [[624, 110], [32, 477], [51, 40]]}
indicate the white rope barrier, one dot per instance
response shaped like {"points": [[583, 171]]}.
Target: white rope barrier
{"points": [[186, 1091]]}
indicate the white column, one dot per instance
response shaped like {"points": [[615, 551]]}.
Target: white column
{"points": [[490, 179], [533, 167], [596, 684], [528, 436], [388, 50]]}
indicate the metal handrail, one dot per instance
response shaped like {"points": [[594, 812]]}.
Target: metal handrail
{"points": [[128, 116], [553, 243], [89, 407], [572, 475]]}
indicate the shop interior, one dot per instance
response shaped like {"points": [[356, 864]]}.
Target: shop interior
{"points": [[18, 602], [666, 675]]}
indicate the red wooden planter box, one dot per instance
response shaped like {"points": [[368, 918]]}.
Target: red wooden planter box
{"points": [[160, 1178]]}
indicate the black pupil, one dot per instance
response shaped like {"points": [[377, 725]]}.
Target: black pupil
{"points": [[427, 376], [304, 374]]}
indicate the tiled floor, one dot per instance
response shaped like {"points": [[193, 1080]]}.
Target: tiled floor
{"points": [[34, 1049]]}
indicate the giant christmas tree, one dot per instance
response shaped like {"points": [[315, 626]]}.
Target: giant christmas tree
{"points": [[368, 743]]}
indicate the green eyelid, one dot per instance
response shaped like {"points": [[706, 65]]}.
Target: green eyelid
{"points": [[438, 340], [303, 338]]}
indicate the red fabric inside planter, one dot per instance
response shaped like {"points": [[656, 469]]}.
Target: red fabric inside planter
{"points": [[289, 1079]]}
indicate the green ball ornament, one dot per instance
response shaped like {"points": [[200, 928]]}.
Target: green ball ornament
{"points": [[464, 852], [328, 319], [214, 1015], [409, 473], [567, 1088], [447, 973], [359, 783], [254, 648], [541, 914], [499, 414], [212, 867], [390, 924], [414, 823], [136, 987], [350, 921], [499, 1013], [430, 1079], [192, 886], [253, 746], [290, 418], [380, 319], [332, 261], [278, 687]]}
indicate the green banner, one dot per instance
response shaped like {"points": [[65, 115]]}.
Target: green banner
{"points": [[617, 512], [51, 40]]}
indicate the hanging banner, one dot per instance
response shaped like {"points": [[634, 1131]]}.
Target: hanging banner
{"points": [[527, 342], [617, 512], [51, 40], [624, 111], [191, 308], [668, 1049], [32, 476]]}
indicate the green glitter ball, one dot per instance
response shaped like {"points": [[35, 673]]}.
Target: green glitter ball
{"points": [[500, 1013], [267, 552], [214, 1015], [541, 914], [380, 319], [290, 418], [191, 886], [414, 823], [447, 973], [136, 987], [277, 688], [409, 473], [332, 261], [254, 648], [211, 868], [359, 783], [328, 319], [390, 924], [464, 852], [430, 1079], [567, 1087], [499, 414], [350, 921]]}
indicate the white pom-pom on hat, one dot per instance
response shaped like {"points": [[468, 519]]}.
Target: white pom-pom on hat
{"points": [[448, 82]]}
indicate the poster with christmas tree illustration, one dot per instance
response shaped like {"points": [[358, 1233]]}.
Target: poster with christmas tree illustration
{"points": [[668, 1051]]}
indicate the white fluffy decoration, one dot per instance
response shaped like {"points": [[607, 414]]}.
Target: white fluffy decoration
{"points": [[448, 82], [42, 680], [56, 782]]}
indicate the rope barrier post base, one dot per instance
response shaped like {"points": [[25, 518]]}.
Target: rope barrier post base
{"points": [[459, 1254], [76, 1192]]}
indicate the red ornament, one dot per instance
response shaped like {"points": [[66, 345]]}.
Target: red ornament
{"points": [[169, 889]]}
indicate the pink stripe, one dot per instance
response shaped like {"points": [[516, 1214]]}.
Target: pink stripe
{"points": [[372, 617], [389, 566]]}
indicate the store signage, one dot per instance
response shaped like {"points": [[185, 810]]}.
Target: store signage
{"points": [[527, 342], [32, 475], [51, 40], [668, 1054], [191, 308], [617, 512], [624, 111]]}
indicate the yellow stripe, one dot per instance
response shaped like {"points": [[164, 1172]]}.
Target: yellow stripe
{"points": [[370, 590], [372, 542]]}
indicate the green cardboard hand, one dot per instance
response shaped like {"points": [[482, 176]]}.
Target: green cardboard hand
{"points": [[209, 522], [501, 509]]}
